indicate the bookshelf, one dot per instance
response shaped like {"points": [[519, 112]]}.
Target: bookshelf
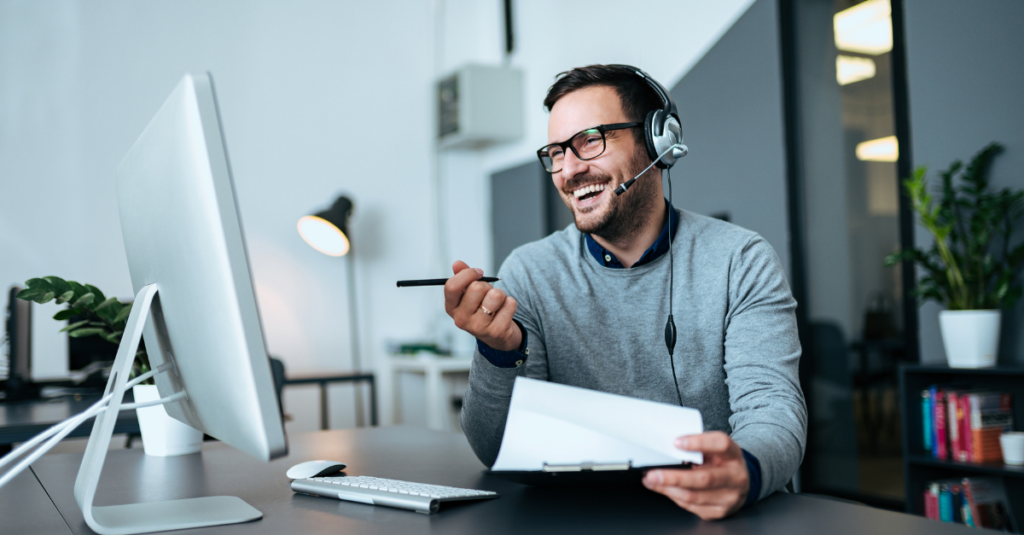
{"points": [[919, 466]]}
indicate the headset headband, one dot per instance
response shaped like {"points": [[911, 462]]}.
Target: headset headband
{"points": [[667, 103]]}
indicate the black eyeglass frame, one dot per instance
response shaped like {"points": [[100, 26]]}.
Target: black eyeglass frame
{"points": [[568, 143]]}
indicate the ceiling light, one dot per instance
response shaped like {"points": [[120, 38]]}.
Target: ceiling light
{"points": [[850, 69], [883, 149], [865, 28]]}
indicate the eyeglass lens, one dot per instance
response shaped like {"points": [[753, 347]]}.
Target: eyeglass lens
{"points": [[587, 145]]}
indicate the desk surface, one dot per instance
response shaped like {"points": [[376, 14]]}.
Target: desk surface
{"points": [[22, 420], [25, 508], [421, 455]]}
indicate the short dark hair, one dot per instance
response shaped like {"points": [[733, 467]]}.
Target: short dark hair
{"points": [[635, 95]]}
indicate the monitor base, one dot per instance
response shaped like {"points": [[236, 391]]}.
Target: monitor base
{"points": [[149, 516], [173, 514]]}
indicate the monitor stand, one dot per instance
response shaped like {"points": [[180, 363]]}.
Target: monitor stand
{"points": [[150, 516]]}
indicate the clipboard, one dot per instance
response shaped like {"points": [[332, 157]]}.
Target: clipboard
{"points": [[586, 473], [565, 435]]}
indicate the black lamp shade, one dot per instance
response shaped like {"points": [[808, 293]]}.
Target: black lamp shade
{"points": [[327, 231]]}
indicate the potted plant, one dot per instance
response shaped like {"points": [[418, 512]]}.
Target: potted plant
{"points": [[972, 266], [97, 315]]}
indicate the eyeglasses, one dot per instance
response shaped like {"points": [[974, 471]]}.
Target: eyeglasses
{"points": [[586, 145]]}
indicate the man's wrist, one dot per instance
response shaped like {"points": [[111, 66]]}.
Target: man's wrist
{"points": [[522, 336], [515, 344], [506, 359], [753, 476]]}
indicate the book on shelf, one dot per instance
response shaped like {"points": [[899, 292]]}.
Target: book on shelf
{"points": [[926, 418], [939, 421], [972, 501], [954, 421], [962, 424], [988, 504], [931, 501], [945, 503], [991, 415]]}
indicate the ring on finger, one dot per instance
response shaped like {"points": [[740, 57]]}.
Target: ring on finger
{"points": [[485, 311]]}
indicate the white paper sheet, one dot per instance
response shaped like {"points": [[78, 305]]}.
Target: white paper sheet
{"points": [[559, 424]]}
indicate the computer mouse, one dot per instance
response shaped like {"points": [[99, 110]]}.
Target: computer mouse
{"points": [[314, 469]]}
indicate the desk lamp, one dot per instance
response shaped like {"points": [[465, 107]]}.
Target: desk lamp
{"points": [[327, 231]]}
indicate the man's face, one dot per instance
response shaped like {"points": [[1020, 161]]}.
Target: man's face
{"points": [[587, 187]]}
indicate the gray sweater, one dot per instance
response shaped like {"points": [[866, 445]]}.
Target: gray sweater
{"points": [[602, 328]]}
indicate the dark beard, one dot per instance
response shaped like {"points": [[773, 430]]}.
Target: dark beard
{"points": [[627, 214]]}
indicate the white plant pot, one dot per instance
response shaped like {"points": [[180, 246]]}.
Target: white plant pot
{"points": [[971, 337], [162, 435]]}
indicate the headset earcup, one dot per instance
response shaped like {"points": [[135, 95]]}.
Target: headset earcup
{"points": [[652, 128]]}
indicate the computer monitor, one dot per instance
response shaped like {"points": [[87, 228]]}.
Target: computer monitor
{"points": [[17, 376], [194, 296]]}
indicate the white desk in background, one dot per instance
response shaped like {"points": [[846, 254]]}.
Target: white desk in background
{"points": [[433, 368]]}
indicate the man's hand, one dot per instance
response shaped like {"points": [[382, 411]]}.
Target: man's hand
{"points": [[713, 490], [481, 309]]}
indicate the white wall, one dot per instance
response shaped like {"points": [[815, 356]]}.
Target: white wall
{"points": [[311, 95], [317, 98], [964, 95]]}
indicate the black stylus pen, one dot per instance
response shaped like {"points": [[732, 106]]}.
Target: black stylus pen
{"points": [[438, 282]]}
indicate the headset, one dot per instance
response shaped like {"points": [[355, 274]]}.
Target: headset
{"points": [[663, 138], [662, 129]]}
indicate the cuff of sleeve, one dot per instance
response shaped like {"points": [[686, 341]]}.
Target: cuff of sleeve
{"points": [[506, 359], [754, 471]]}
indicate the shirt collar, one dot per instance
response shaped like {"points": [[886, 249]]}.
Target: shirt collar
{"points": [[658, 248]]}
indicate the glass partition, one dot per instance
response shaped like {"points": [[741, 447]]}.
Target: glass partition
{"points": [[849, 197]]}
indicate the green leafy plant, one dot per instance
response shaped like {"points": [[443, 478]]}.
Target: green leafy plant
{"points": [[102, 316], [973, 264]]}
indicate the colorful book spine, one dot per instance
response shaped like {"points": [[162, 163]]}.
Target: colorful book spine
{"points": [[963, 415], [931, 501], [945, 503], [940, 421], [970, 508], [926, 419], [931, 411], [956, 492], [966, 512], [952, 426], [989, 504], [991, 416]]}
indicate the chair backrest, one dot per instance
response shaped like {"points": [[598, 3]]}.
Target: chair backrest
{"points": [[831, 354]]}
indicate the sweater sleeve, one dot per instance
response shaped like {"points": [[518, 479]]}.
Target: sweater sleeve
{"points": [[487, 398], [762, 356]]}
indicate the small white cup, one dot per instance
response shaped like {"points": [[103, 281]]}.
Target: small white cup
{"points": [[1013, 447]]}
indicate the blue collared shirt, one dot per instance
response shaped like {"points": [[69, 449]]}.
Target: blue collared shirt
{"points": [[658, 248], [514, 359]]}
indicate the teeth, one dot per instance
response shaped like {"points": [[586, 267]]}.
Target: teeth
{"points": [[589, 189]]}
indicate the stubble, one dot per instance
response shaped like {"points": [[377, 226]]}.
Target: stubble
{"points": [[627, 213]]}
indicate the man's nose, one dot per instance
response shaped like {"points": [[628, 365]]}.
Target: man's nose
{"points": [[572, 166]]}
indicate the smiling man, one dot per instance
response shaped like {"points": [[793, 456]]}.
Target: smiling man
{"points": [[586, 306]]}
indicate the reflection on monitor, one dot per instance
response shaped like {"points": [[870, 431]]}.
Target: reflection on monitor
{"points": [[195, 305]]}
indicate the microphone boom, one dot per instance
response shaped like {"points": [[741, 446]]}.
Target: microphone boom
{"points": [[629, 183]]}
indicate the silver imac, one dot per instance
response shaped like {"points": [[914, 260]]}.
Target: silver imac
{"points": [[194, 304]]}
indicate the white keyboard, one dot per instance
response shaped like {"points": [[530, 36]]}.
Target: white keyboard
{"points": [[418, 497]]}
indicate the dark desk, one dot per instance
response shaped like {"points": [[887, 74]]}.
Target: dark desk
{"points": [[22, 420], [25, 508], [417, 454]]}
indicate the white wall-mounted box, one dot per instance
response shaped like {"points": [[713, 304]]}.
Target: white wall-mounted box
{"points": [[478, 106]]}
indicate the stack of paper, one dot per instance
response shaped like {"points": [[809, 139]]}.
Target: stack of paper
{"points": [[555, 424]]}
